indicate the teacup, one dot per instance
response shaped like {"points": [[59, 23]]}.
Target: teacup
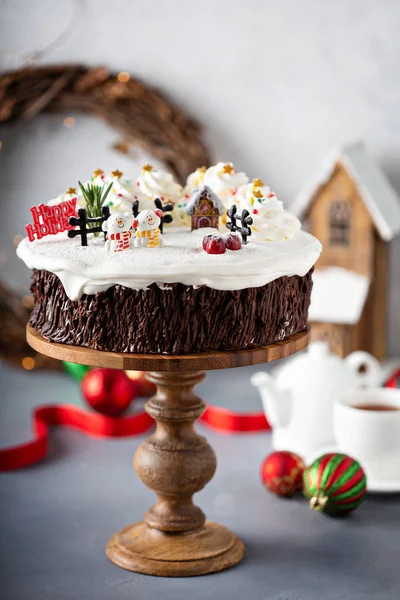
{"points": [[367, 427]]}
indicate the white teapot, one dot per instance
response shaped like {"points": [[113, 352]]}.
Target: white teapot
{"points": [[298, 402]]}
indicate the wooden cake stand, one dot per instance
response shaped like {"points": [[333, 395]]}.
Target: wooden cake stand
{"points": [[174, 539]]}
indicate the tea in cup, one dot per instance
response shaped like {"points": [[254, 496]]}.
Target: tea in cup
{"points": [[367, 427]]}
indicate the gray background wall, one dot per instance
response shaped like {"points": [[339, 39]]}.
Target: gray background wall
{"points": [[276, 83]]}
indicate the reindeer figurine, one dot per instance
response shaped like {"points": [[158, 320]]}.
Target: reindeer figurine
{"points": [[147, 229]]}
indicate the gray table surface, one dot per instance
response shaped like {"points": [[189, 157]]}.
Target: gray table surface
{"points": [[56, 517]]}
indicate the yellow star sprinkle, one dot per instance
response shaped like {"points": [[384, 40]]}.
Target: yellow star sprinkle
{"points": [[71, 191], [258, 182], [258, 194], [116, 173], [147, 168], [98, 172], [228, 168], [201, 169]]}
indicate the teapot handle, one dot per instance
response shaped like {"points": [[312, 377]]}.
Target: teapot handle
{"points": [[366, 367]]}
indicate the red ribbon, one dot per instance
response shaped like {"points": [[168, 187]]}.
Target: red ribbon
{"points": [[394, 379], [89, 423], [227, 421], [94, 424]]}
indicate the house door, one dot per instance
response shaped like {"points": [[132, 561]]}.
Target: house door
{"points": [[204, 222]]}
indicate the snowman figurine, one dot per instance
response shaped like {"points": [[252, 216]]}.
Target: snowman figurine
{"points": [[119, 235], [147, 229]]}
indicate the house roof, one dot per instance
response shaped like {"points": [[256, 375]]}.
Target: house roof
{"points": [[379, 196], [196, 197], [338, 296]]}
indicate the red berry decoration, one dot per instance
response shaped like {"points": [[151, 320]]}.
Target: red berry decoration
{"points": [[233, 242], [108, 391], [206, 239], [216, 245], [335, 484], [282, 473]]}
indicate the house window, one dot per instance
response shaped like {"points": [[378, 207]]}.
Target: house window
{"points": [[339, 223]]}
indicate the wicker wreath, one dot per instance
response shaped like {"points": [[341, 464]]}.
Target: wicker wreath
{"points": [[142, 115]]}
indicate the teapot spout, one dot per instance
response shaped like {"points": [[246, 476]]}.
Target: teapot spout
{"points": [[275, 402]]}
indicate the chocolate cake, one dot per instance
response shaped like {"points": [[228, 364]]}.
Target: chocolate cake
{"points": [[177, 320], [175, 292]]}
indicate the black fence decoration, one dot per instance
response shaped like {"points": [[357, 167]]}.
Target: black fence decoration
{"points": [[135, 208], [245, 221], [165, 209], [81, 221], [158, 204]]}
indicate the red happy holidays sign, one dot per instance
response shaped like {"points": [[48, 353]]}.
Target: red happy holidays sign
{"points": [[49, 220]]}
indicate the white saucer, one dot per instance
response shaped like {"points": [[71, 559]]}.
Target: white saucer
{"points": [[383, 487], [380, 486]]}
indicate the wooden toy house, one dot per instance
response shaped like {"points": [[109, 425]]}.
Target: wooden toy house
{"points": [[354, 211], [205, 208]]}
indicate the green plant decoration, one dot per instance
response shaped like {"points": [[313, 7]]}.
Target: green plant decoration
{"points": [[95, 197]]}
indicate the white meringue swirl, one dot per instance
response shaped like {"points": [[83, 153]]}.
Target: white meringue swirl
{"points": [[80, 201], [271, 222], [153, 183], [195, 181], [224, 181]]}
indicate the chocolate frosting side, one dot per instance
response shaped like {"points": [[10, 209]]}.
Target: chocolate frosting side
{"points": [[176, 320]]}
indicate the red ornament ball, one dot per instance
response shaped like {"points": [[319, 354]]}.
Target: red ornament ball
{"points": [[108, 391], [143, 387], [282, 473]]}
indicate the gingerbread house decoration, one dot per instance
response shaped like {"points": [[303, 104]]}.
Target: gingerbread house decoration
{"points": [[205, 208], [354, 211]]}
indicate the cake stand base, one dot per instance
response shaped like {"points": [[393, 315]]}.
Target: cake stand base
{"points": [[142, 549], [175, 462]]}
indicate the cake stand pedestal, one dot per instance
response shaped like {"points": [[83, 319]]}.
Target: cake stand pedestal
{"points": [[174, 539]]}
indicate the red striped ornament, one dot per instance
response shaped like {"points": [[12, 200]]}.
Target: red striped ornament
{"points": [[335, 484]]}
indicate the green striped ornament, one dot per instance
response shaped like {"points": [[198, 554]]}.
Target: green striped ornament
{"points": [[335, 484]]}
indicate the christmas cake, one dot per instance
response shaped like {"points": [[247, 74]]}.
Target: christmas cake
{"points": [[146, 266]]}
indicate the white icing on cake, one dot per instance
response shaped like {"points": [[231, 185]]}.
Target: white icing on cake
{"points": [[119, 198], [121, 195], [222, 178], [80, 202], [224, 181], [271, 222], [179, 214], [195, 180], [91, 269], [153, 183]]}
